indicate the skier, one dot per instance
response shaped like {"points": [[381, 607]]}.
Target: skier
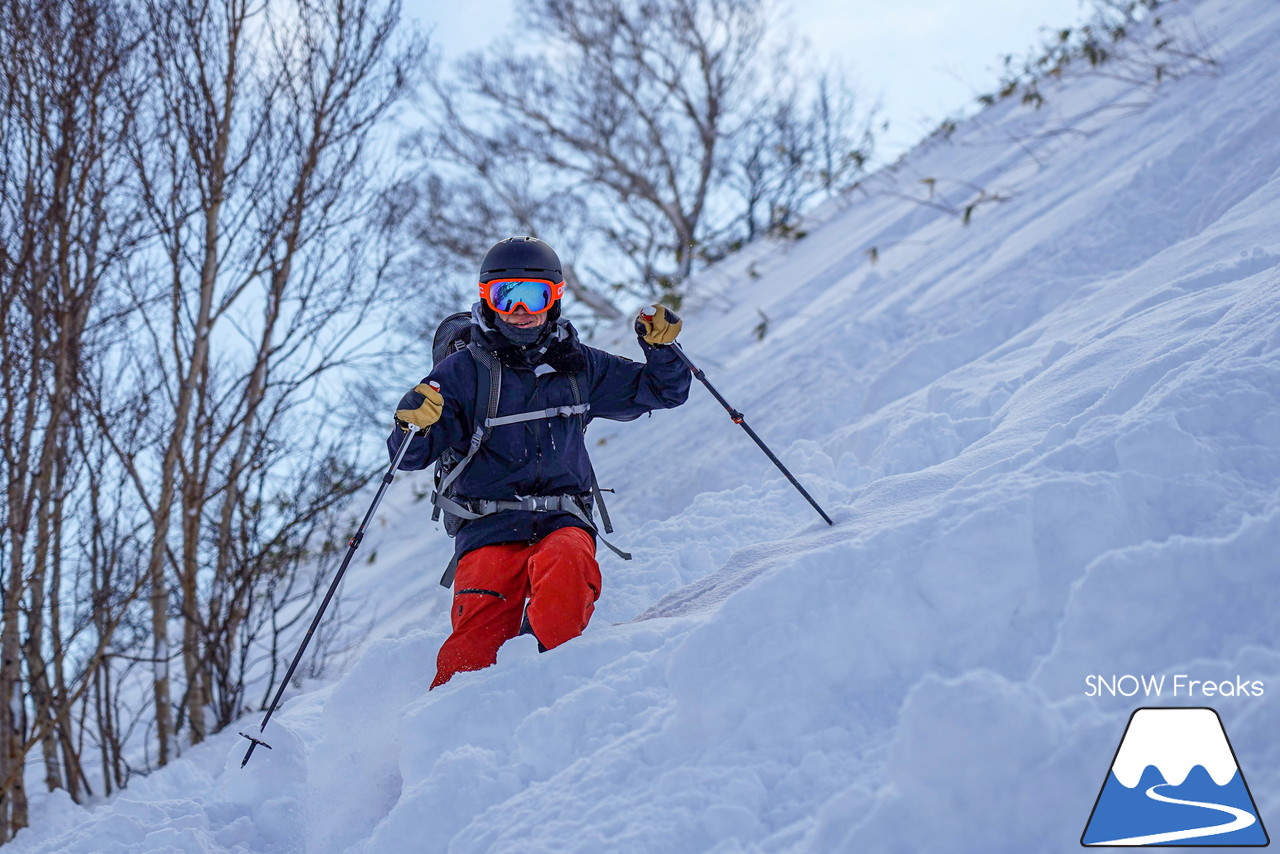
{"points": [[524, 495]]}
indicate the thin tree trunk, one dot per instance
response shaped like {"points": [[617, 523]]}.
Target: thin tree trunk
{"points": [[71, 761], [193, 366], [14, 814], [194, 489]]}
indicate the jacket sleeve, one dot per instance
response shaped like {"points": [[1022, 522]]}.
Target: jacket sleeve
{"points": [[622, 389], [454, 427]]}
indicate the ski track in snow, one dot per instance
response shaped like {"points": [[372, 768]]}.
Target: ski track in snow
{"points": [[1240, 819], [1050, 442]]}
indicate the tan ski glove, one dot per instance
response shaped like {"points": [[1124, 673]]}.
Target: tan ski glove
{"points": [[420, 407], [658, 326]]}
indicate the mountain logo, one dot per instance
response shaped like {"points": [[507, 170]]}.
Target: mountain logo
{"points": [[1175, 781]]}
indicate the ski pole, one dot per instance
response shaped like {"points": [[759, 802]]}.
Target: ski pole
{"points": [[738, 417], [352, 545]]}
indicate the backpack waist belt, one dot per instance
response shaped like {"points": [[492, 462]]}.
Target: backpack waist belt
{"points": [[475, 508]]}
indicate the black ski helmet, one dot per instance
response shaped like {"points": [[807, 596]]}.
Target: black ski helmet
{"points": [[521, 257]]}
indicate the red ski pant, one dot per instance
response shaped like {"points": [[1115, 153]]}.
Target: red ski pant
{"points": [[558, 575]]}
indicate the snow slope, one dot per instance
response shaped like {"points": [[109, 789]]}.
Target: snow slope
{"points": [[1050, 442]]}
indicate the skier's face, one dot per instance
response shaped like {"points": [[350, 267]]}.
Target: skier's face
{"points": [[523, 319]]}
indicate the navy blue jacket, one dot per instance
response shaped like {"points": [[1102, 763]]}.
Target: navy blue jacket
{"points": [[546, 456]]}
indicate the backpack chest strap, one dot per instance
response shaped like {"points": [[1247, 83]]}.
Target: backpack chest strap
{"points": [[536, 414]]}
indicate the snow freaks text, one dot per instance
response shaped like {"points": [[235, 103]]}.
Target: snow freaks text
{"points": [[1178, 685]]}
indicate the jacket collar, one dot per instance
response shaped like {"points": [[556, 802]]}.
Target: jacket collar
{"points": [[560, 350]]}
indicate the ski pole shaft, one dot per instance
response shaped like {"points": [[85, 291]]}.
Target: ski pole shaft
{"points": [[741, 421], [352, 545]]}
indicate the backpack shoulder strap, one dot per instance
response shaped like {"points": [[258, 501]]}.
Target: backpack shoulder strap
{"points": [[488, 383], [575, 385], [576, 381], [488, 394]]}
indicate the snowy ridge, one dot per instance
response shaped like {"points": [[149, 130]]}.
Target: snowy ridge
{"points": [[1050, 442], [1174, 744]]}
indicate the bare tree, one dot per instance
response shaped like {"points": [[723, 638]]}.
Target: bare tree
{"points": [[798, 144], [450, 213], [188, 253], [616, 113], [254, 157], [275, 599], [65, 225], [646, 127]]}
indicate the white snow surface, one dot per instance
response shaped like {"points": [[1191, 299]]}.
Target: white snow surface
{"points": [[1050, 442], [1174, 741]]}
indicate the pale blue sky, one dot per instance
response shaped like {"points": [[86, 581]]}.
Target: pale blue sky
{"points": [[924, 59]]}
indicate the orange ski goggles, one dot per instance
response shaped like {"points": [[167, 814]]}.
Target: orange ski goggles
{"points": [[536, 295]]}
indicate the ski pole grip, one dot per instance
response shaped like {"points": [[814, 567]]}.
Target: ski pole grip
{"points": [[648, 314], [653, 310]]}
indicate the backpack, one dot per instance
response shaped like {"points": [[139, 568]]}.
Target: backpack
{"points": [[453, 335]]}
